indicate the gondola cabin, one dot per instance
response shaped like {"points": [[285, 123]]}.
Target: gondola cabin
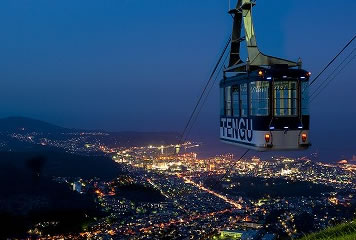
{"points": [[266, 109], [264, 100]]}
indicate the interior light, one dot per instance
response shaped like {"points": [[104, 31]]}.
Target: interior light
{"points": [[269, 78], [271, 128], [260, 73]]}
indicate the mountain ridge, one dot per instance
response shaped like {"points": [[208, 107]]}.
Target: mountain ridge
{"points": [[20, 123]]}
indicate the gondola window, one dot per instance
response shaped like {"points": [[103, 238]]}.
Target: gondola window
{"points": [[228, 101], [244, 102], [305, 98], [285, 98], [259, 98], [235, 101]]}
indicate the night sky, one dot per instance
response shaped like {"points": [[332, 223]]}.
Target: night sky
{"points": [[140, 65]]}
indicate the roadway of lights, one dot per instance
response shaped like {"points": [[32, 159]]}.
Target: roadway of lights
{"points": [[181, 221], [113, 232], [201, 187], [157, 187]]}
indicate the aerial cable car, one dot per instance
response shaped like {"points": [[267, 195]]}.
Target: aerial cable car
{"points": [[265, 100]]}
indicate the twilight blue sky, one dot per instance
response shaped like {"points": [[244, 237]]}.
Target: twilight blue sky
{"points": [[139, 64]]}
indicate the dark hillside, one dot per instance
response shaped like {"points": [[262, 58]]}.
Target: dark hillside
{"points": [[27, 200], [63, 164]]}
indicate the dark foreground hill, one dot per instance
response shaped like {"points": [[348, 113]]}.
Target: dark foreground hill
{"points": [[61, 164], [29, 196], [27, 200]]}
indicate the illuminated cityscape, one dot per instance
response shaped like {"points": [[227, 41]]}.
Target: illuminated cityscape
{"points": [[169, 191]]}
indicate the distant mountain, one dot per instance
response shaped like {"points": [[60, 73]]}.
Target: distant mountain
{"points": [[23, 124]]}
